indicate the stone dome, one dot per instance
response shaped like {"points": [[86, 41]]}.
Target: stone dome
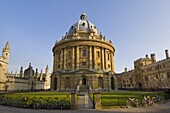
{"points": [[29, 72], [83, 25]]}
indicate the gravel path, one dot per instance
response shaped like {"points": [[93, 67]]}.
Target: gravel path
{"points": [[163, 108]]}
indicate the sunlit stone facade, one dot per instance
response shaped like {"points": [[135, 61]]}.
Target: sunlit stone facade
{"points": [[4, 61], [27, 80], [147, 74], [83, 59]]}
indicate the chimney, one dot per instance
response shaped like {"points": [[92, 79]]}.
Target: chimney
{"points": [[153, 58], [167, 54], [146, 56], [125, 69]]}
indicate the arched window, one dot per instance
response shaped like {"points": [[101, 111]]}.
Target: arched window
{"points": [[84, 53], [100, 83], [59, 55]]}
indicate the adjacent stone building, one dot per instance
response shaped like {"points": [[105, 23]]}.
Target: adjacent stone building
{"points": [[83, 59], [25, 80], [4, 61], [28, 80], [147, 74]]}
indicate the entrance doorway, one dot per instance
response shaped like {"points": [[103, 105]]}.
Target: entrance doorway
{"points": [[140, 85], [55, 83], [112, 83], [84, 81]]}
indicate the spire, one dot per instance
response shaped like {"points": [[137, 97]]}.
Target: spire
{"points": [[21, 72], [6, 48], [41, 75], [7, 45], [46, 69], [29, 64]]}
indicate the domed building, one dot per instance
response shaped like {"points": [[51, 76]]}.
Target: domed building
{"points": [[83, 60]]}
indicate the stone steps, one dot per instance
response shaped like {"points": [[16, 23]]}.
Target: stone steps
{"points": [[84, 101], [83, 88]]}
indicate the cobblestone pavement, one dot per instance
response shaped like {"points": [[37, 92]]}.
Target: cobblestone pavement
{"points": [[163, 108]]}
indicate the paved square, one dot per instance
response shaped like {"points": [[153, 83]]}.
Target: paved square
{"points": [[163, 108]]}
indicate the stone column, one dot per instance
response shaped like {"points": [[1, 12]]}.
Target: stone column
{"points": [[65, 58], [97, 101], [72, 58], [112, 62], [62, 59], [54, 62], [77, 60], [90, 57], [105, 58], [73, 101], [52, 83], [102, 57], [94, 52]]}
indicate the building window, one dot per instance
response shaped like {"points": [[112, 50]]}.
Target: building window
{"points": [[108, 56], [58, 66], [108, 66], [83, 63], [83, 24], [69, 64], [83, 53], [168, 75], [98, 64], [146, 78], [157, 77], [59, 55], [69, 55]]}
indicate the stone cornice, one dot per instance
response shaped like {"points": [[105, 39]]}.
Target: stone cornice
{"points": [[85, 42]]}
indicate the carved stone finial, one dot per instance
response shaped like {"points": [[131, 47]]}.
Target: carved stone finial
{"points": [[56, 41], [29, 64]]}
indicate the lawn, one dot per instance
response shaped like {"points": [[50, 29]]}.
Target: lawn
{"points": [[119, 98]]}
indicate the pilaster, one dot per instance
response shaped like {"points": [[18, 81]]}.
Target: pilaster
{"points": [[105, 58], [72, 58], [102, 58], [112, 61], [94, 55], [77, 59], [65, 57], [90, 57], [62, 59]]}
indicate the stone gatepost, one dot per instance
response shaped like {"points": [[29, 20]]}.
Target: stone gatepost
{"points": [[73, 101], [97, 101]]}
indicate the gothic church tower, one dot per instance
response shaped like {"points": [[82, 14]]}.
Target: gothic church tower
{"points": [[4, 61]]}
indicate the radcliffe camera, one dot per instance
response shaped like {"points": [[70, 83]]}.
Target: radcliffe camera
{"points": [[81, 56]]}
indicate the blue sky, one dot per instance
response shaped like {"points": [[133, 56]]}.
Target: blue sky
{"points": [[136, 28]]}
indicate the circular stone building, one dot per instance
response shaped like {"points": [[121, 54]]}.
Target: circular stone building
{"points": [[83, 60]]}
